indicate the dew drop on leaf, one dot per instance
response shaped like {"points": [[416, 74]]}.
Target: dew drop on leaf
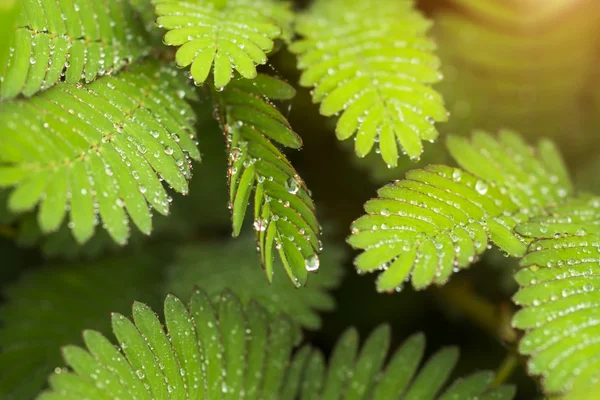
{"points": [[312, 263], [260, 224], [481, 187], [291, 185]]}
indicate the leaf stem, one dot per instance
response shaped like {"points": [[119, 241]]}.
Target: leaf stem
{"points": [[506, 369], [458, 295]]}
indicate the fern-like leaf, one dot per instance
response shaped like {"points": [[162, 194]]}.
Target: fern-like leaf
{"points": [[559, 290], [440, 219], [214, 268], [222, 35], [284, 213], [221, 351], [100, 149], [50, 306], [211, 351], [71, 39], [371, 62], [363, 376]]}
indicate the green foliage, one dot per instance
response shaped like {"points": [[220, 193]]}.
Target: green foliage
{"points": [[284, 213], [560, 295], [73, 40], [220, 350], [351, 376], [217, 266], [373, 65], [103, 148], [9, 10], [492, 80], [202, 209], [50, 306], [216, 351], [47, 308], [440, 219], [93, 121], [222, 35]]}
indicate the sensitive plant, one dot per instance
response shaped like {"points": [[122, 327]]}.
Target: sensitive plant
{"points": [[105, 109]]}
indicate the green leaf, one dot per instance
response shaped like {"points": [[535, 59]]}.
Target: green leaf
{"points": [[371, 63], [177, 365], [50, 306], [9, 10], [559, 291], [70, 38], [441, 219], [363, 377], [221, 347], [231, 265], [100, 150], [284, 213], [222, 36]]}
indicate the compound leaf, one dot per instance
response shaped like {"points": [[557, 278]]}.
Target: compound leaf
{"points": [[284, 213], [559, 290], [222, 36], [99, 150], [371, 63], [70, 40], [440, 219]]}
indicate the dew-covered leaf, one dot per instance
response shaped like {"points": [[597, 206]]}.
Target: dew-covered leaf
{"points": [[100, 150], [352, 376], [222, 36], [559, 290], [206, 349], [371, 63], [71, 40], [440, 219], [284, 212]]}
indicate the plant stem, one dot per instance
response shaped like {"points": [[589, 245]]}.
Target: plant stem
{"points": [[506, 369], [458, 295]]}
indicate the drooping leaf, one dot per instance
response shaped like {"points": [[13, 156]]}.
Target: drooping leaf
{"points": [[214, 267], [371, 63], [284, 213], [440, 219]]}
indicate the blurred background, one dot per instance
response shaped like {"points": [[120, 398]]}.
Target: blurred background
{"points": [[530, 65]]}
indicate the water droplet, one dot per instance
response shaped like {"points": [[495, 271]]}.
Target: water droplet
{"points": [[580, 232], [312, 263], [260, 224], [481, 187], [291, 185], [457, 175], [169, 150]]}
